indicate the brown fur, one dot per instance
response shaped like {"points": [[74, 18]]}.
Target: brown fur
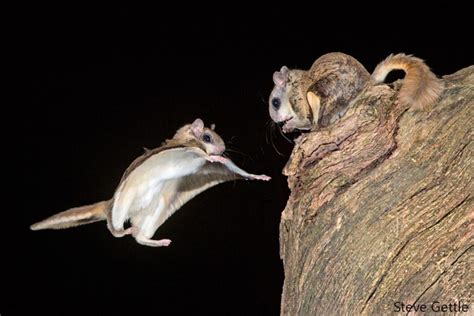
{"points": [[298, 81], [334, 78], [75, 217], [321, 95], [337, 79], [421, 88]]}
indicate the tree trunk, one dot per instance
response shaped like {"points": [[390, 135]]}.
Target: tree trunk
{"points": [[381, 207]]}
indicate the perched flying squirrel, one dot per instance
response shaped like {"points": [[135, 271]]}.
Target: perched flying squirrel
{"points": [[157, 184], [306, 100]]}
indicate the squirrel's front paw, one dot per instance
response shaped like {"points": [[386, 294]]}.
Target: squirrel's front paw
{"points": [[215, 158]]}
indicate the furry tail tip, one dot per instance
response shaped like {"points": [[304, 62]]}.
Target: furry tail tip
{"points": [[74, 217], [421, 88]]}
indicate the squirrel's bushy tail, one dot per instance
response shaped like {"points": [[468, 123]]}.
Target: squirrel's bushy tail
{"points": [[421, 88], [74, 217]]}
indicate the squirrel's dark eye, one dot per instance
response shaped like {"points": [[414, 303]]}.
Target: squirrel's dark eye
{"points": [[206, 138], [276, 103]]}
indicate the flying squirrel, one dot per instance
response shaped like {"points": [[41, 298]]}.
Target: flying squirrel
{"points": [[157, 184], [307, 100]]}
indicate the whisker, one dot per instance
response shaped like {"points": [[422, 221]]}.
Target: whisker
{"points": [[267, 129], [263, 99], [272, 128], [285, 137], [239, 152]]}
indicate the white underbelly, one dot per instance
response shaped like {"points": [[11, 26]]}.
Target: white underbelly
{"points": [[139, 194]]}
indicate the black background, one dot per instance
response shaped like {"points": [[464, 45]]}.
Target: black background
{"points": [[98, 84]]}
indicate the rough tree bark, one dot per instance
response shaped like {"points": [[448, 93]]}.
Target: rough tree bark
{"points": [[381, 207]]}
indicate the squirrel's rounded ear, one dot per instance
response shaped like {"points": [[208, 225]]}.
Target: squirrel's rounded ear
{"points": [[213, 126], [280, 77], [197, 127]]}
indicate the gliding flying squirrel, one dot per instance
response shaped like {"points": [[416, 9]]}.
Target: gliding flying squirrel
{"points": [[157, 184]]}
